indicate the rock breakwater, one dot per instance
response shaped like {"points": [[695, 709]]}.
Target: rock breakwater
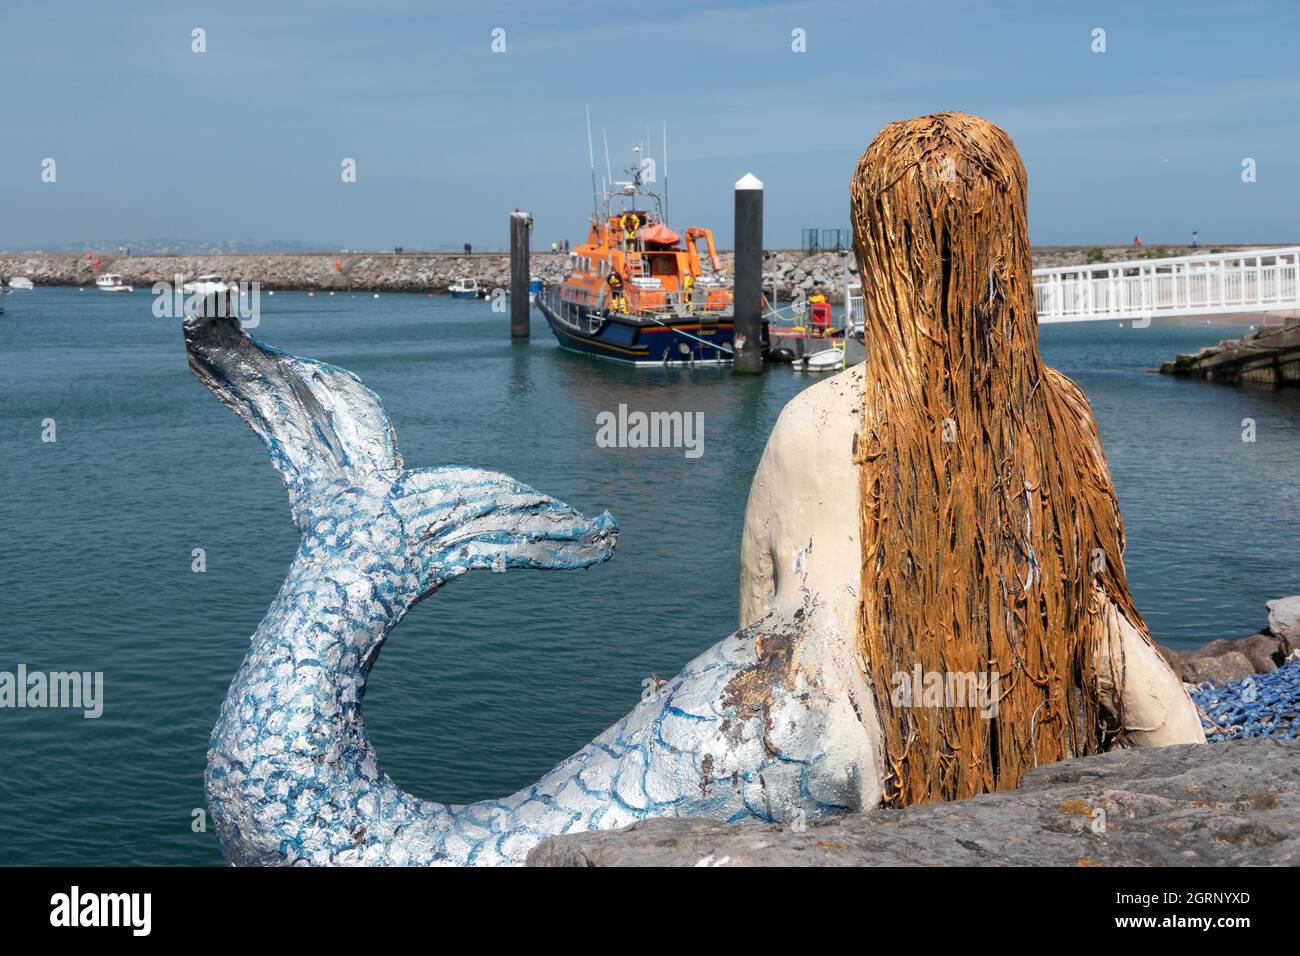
{"points": [[1270, 355], [433, 272]]}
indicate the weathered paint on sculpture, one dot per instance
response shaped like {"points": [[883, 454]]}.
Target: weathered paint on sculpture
{"points": [[779, 721]]}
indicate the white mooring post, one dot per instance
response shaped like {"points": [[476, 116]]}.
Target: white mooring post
{"points": [[748, 294]]}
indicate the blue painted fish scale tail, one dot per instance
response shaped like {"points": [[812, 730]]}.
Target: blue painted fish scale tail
{"points": [[292, 776]]}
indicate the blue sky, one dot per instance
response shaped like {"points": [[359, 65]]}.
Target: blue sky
{"points": [[245, 141]]}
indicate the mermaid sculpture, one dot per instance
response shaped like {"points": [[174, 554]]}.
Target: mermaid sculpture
{"points": [[951, 496], [292, 777], [945, 508]]}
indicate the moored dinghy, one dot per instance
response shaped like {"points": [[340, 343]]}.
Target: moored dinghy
{"points": [[827, 360]]}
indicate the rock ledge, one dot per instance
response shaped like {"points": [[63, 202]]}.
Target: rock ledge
{"points": [[1229, 804]]}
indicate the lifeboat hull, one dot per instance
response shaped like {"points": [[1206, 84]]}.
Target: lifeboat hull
{"points": [[678, 340]]}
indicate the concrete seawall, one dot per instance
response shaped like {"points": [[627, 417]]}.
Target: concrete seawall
{"points": [[434, 271]]}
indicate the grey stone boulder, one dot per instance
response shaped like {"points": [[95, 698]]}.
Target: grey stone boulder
{"points": [[1225, 659], [1219, 668], [1284, 619], [1229, 804]]}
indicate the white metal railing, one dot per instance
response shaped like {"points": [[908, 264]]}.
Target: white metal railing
{"points": [[855, 311], [1261, 280]]}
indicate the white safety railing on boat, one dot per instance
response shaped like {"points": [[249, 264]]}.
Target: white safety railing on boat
{"points": [[657, 303], [571, 314], [702, 300]]}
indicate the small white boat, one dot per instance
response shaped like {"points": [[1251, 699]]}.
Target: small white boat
{"points": [[112, 282], [464, 288], [827, 360], [21, 283]]}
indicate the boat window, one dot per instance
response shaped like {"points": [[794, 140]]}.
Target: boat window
{"points": [[663, 264]]}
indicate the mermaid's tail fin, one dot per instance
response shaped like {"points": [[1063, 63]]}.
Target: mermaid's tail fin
{"points": [[319, 422], [464, 519], [326, 432]]}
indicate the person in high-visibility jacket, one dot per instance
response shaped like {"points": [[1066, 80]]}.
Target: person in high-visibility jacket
{"points": [[616, 291], [688, 286], [631, 222]]}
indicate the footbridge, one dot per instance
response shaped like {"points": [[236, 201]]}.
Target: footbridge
{"points": [[1258, 280], [1253, 281]]}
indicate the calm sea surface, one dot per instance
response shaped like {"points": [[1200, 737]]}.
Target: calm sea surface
{"points": [[496, 678]]}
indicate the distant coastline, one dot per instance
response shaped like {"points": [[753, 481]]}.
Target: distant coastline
{"points": [[433, 272]]}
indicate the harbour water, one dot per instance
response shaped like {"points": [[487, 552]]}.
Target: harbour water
{"points": [[497, 677]]}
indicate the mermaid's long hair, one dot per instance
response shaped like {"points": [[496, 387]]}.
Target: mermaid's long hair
{"points": [[990, 527]]}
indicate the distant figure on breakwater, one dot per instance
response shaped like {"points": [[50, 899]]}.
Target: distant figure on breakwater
{"points": [[468, 249]]}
